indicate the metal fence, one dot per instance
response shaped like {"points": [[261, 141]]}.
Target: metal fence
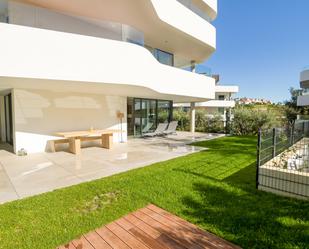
{"points": [[283, 160]]}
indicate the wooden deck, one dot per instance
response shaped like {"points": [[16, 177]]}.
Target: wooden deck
{"points": [[149, 228]]}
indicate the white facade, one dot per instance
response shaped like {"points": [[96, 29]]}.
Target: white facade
{"points": [[303, 100], [71, 65]]}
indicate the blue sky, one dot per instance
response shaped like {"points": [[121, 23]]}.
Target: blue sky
{"points": [[262, 45]]}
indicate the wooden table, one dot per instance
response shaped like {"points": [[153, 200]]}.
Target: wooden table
{"points": [[74, 138]]}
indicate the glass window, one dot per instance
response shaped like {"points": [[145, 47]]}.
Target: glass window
{"points": [[221, 97], [130, 118], [164, 57], [164, 111], [145, 114], [148, 115], [137, 117]]}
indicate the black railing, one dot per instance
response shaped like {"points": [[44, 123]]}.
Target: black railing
{"points": [[283, 160]]}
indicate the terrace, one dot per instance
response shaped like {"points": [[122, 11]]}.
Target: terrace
{"points": [[24, 176]]}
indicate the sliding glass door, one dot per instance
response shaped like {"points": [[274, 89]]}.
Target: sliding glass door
{"points": [[149, 116], [145, 114]]}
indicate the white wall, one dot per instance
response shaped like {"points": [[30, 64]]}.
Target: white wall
{"points": [[303, 100], [304, 75], [38, 115]]}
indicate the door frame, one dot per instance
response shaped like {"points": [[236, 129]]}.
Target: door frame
{"points": [[170, 118], [7, 117]]}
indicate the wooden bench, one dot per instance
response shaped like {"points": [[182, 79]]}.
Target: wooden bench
{"points": [[74, 139]]}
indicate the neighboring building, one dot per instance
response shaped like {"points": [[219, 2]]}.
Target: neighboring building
{"points": [[222, 104], [303, 100], [252, 101], [74, 64]]}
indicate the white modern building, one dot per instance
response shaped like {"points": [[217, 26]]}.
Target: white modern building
{"points": [[221, 105], [74, 64], [303, 100]]}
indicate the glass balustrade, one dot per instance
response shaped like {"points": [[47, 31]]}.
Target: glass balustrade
{"points": [[199, 69]]}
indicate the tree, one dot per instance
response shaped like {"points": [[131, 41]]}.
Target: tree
{"points": [[292, 103], [293, 100], [291, 114]]}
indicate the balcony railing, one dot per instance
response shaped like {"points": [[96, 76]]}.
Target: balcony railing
{"points": [[201, 69], [190, 5]]}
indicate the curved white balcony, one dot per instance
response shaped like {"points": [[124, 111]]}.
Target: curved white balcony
{"points": [[167, 25], [38, 58], [217, 103], [206, 9], [226, 89], [210, 103], [212, 7]]}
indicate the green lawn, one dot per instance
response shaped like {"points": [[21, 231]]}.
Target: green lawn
{"points": [[214, 189]]}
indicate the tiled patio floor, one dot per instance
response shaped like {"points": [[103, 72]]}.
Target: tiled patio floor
{"points": [[42, 172]]}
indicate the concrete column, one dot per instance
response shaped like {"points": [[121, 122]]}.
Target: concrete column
{"points": [[192, 117]]}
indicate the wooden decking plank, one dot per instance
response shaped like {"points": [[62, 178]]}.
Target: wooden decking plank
{"points": [[149, 228], [111, 238], [219, 242], [152, 232], [177, 236], [97, 241], [182, 230], [82, 243], [140, 234], [125, 236]]}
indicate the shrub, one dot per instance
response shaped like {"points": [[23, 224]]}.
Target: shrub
{"points": [[209, 123], [183, 119], [248, 121], [203, 121]]}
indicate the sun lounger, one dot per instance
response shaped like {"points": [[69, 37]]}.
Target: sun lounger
{"points": [[171, 129], [147, 128], [159, 131]]}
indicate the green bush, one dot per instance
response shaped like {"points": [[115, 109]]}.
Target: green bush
{"points": [[209, 123], [203, 122], [183, 119], [248, 121]]}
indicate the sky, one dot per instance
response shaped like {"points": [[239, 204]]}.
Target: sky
{"points": [[262, 45]]}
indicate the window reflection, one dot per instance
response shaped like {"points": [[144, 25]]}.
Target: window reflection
{"points": [[145, 114], [164, 57]]}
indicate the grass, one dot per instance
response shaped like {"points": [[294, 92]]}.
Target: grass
{"points": [[214, 189]]}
